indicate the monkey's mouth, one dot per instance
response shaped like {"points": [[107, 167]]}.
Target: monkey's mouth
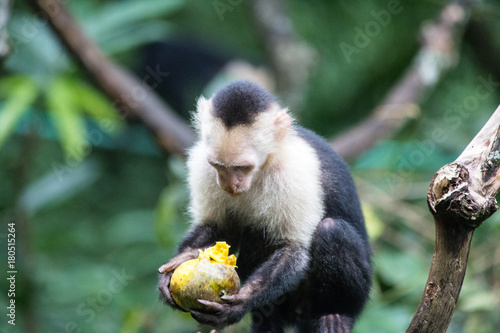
{"points": [[234, 194]]}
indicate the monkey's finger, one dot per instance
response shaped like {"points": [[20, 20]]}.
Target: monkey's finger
{"points": [[171, 265], [206, 319], [164, 287], [232, 299], [165, 295], [165, 268], [211, 307], [178, 260]]}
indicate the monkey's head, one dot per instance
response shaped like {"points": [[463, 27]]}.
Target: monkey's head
{"points": [[241, 126]]}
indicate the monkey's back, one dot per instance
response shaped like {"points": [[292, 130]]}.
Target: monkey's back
{"points": [[341, 199], [340, 276]]}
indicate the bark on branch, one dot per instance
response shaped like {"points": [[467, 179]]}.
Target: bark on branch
{"points": [[461, 196], [127, 92]]}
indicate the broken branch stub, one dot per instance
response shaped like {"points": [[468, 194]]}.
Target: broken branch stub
{"points": [[461, 196], [465, 189], [453, 196]]}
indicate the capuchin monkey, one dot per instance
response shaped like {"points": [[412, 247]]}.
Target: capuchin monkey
{"points": [[287, 205]]}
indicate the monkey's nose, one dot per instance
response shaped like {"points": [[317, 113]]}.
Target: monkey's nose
{"points": [[233, 190]]}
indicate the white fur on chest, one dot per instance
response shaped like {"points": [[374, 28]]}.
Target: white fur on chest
{"points": [[285, 201]]}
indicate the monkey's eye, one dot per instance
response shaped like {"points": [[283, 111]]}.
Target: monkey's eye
{"points": [[216, 165], [243, 168]]}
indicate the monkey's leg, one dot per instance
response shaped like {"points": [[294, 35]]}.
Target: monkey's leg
{"points": [[341, 271]]}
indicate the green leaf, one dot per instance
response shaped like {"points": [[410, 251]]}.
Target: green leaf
{"points": [[114, 16], [165, 216], [170, 210], [96, 106], [37, 51], [481, 301], [9, 83], [67, 120], [397, 269], [374, 224], [21, 92], [133, 321], [132, 37]]}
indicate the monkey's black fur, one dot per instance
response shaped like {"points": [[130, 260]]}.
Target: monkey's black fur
{"points": [[239, 102], [322, 288], [340, 249]]}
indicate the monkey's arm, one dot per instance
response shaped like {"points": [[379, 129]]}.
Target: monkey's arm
{"points": [[278, 275]]}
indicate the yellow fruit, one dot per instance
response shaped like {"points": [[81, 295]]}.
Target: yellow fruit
{"points": [[208, 277]]}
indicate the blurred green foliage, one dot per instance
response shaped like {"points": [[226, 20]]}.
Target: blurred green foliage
{"points": [[93, 228]]}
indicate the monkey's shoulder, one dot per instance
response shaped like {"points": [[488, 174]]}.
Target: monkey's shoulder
{"points": [[320, 145], [335, 171]]}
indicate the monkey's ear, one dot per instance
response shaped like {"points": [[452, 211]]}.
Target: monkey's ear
{"points": [[202, 114], [203, 105], [282, 123]]}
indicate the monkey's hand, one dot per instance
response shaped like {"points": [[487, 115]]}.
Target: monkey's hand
{"points": [[166, 272], [220, 315]]}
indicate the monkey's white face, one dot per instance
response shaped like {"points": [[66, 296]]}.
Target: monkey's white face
{"points": [[239, 153], [235, 180], [236, 165]]}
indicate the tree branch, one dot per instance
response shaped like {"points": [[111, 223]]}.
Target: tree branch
{"points": [[461, 196], [128, 93], [4, 36], [291, 58], [439, 52]]}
